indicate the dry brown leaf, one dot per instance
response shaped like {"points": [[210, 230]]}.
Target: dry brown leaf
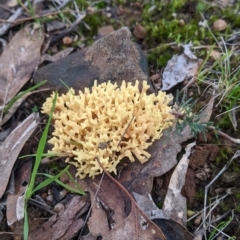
{"points": [[173, 230], [169, 227], [11, 147], [207, 111], [115, 215], [174, 205], [139, 177], [15, 202], [18, 61], [179, 68]]}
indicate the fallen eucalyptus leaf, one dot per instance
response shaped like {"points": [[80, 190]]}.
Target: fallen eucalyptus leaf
{"points": [[11, 147]]}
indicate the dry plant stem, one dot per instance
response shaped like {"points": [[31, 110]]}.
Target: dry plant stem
{"points": [[4, 28], [160, 46], [125, 131], [61, 3], [222, 134], [200, 212], [10, 233], [67, 31], [41, 205], [237, 154], [93, 201], [21, 20], [221, 231], [211, 207]]}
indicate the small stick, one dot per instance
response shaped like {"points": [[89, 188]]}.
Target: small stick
{"points": [[222, 134]]}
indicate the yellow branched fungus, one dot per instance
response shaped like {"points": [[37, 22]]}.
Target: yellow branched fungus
{"points": [[107, 122]]}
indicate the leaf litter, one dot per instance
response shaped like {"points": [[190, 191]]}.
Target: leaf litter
{"points": [[113, 211], [137, 178], [11, 147], [179, 68], [18, 61]]}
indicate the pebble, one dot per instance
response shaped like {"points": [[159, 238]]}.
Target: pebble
{"points": [[58, 207], [67, 40], [198, 220], [219, 25], [64, 178], [49, 198], [139, 31], [62, 194]]}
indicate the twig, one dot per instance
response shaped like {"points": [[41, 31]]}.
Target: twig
{"points": [[222, 134], [237, 154], [69, 30], [125, 130], [61, 3], [21, 20], [4, 28]]}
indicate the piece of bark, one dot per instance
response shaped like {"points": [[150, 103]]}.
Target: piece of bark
{"points": [[66, 224]]}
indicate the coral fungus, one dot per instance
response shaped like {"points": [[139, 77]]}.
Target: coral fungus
{"points": [[108, 122]]}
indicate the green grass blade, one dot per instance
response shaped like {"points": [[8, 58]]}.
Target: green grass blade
{"points": [[13, 100], [26, 226], [50, 180], [40, 150], [45, 155], [72, 179], [70, 189]]}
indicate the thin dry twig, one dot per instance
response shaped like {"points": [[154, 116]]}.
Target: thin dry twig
{"points": [[205, 215], [21, 20], [222, 134], [5, 27]]}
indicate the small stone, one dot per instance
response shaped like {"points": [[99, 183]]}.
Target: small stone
{"points": [[64, 178], [181, 22], [104, 31], [120, 11], [49, 198], [213, 150], [156, 81], [91, 10], [215, 55], [139, 31], [219, 25], [58, 207], [114, 57], [67, 40], [198, 220], [198, 159], [229, 177], [220, 190], [62, 194], [44, 195]]}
